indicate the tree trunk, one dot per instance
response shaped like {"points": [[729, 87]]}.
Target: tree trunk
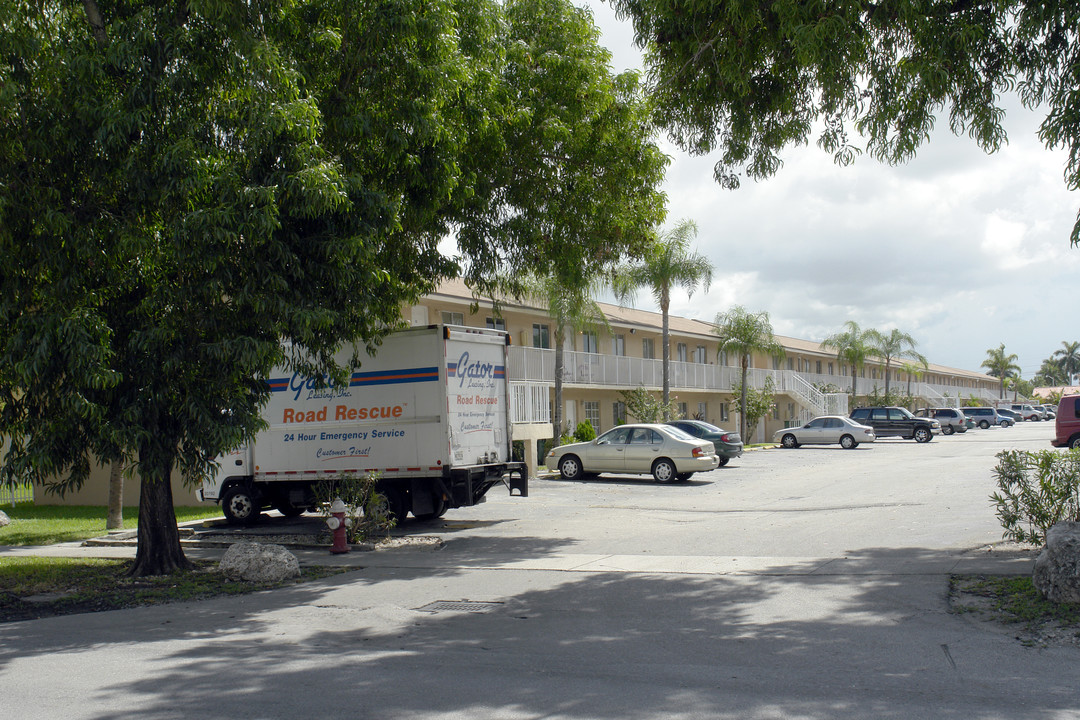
{"points": [[556, 416], [114, 520], [742, 402], [667, 355], [159, 551]]}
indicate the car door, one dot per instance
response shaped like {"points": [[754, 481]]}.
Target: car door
{"points": [[642, 449], [833, 429], [608, 452], [879, 420], [899, 423], [812, 432]]}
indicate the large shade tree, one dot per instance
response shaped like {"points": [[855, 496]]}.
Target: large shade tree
{"points": [[852, 346], [747, 79], [743, 333], [667, 264], [891, 346], [1001, 365], [193, 193]]}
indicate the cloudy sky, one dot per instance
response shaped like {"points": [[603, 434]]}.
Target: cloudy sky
{"points": [[962, 250]]}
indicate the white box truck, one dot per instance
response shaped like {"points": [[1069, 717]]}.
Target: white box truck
{"points": [[428, 416]]}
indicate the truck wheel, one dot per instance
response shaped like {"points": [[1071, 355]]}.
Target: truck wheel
{"points": [[570, 468], [922, 435], [663, 470], [438, 508], [1074, 443], [289, 510], [238, 504], [396, 505]]}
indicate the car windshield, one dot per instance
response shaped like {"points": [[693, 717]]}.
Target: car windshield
{"points": [[708, 427], [905, 412], [679, 433]]}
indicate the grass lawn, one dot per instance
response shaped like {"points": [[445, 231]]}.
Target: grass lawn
{"points": [[50, 524]]}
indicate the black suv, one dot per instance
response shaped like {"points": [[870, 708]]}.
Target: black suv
{"points": [[897, 422]]}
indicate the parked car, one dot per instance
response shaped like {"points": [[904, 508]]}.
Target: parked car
{"points": [[1050, 410], [984, 417], [951, 419], [897, 422], [1067, 423], [1025, 411], [826, 430], [665, 452], [728, 444], [1008, 417]]}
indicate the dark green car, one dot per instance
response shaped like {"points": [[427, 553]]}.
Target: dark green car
{"points": [[728, 444]]}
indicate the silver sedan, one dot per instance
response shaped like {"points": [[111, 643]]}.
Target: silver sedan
{"points": [[826, 430], [665, 452]]}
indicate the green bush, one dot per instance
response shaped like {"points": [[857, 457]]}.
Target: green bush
{"points": [[366, 507], [1036, 490], [585, 432]]}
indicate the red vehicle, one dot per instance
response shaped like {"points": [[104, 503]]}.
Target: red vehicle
{"points": [[1067, 423]]}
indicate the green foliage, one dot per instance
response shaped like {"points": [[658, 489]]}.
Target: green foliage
{"points": [[1001, 366], [748, 79], [646, 407], [366, 508], [584, 432], [758, 404], [889, 398], [1036, 490], [743, 333]]}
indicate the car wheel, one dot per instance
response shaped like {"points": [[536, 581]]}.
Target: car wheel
{"points": [[1004, 423], [848, 443], [663, 470], [570, 468], [789, 441], [238, 504], [984, 424], [1074, 444], [947, 430], [724, 461], [683, 477], [922, 435]]}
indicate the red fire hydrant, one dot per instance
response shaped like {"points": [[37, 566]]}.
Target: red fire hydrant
{"points": [[339, 524]]}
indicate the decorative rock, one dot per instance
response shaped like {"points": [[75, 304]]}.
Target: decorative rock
{"points": [[4, 519], [255, 562], [1057, 569]]}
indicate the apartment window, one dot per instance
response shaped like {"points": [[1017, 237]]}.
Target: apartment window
{"points": [[618, 412], [541, 336], [830, 368], [776, 363], [723, 412], [791, 363], [721, 358], [453, 318], [699, 354], [702, 411], [590, 343], [494, 323], [683, 410], [592, 413], [680, 352], [648, 349], [618, 345], [817, 367], [791, 411]]}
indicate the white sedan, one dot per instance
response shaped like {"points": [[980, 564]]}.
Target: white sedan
{"points": [[826, 430], [665, 452]]}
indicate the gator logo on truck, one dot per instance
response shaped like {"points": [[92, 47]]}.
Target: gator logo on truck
{"points": [[297, 384], [465, 369]]}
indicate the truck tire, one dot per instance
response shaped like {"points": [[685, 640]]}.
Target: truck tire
{"points": [[397, 505], [289, 510], [238, 504], [923, 435], [438, 505]]}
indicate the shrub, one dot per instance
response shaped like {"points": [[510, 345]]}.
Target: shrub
{"points": [[366, 507], [1036, 490], [585, 432]]}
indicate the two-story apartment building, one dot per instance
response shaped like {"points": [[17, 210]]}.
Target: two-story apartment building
{"points": [[601, 362]]}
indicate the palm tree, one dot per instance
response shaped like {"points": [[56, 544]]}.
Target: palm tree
{"points": [[1051, 373], [1069, 359], [571, 308], [852, 346], [667, 263], [914, 369], [743, 333], [895, 345], [1001, 366]]}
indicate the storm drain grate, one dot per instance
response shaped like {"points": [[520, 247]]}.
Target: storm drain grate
{"points": [[459, 606]]}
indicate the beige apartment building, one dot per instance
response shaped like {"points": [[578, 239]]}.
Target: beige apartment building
{"points": [[626, 355], [598, 364]]}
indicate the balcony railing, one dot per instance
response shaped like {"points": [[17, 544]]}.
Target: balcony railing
{"points": [[596, 370]]}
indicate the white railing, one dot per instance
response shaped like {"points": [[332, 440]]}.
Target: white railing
{"points": [[529, 402]]}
